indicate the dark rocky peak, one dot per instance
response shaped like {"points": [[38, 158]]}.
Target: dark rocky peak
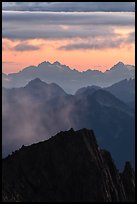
{"points": [[42, 91], [68, 167], [128, 172], [36, 83], [128, 180], [128, 169]]}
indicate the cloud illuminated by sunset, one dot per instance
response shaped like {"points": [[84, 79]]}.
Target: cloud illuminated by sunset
{"points": [[81, 40]]}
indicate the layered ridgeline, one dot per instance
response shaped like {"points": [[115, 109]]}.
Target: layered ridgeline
{"points": [[123, 90], [68, 167], [70, 80], [39, 110]]}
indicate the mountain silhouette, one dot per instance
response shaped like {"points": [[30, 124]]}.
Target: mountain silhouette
{"points": [[68, 167], [70, 80], [39, 110], [123, 90]]}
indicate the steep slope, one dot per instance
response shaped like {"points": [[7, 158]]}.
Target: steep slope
{"points": [[37, 89], [131, 68], [112, 120], [70, 80], [128, 180], [87, 90], [68, 167], [31, 109], [124, 90]]}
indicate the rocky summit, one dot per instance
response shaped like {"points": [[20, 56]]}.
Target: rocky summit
{"points": [[69, 167]]}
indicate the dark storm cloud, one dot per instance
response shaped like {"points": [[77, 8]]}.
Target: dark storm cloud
{"points": [[30, 25], [70, 6]]}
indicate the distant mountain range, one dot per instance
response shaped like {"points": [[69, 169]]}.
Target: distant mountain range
{"points": [[69, 167], [70, 80], [39, 110]]}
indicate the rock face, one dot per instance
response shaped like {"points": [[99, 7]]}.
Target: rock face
{"points": [[68, 167], [128, 179]]}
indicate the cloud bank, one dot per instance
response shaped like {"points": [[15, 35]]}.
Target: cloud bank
{"points": [[62, 25], [96, 30], [70, 6]]}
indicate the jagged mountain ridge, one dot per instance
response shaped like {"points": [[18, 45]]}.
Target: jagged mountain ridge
{"points": [[35, 111], [68, 167], [70, 80]]}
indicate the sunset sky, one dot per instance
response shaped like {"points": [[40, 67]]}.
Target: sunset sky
{"points": [[82, 35]]}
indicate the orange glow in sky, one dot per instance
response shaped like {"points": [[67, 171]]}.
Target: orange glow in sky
{"points": [[82, 45], [79, 59]]}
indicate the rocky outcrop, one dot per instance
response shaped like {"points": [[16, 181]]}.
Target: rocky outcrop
{"points": [[68, 167], [128, 180]]}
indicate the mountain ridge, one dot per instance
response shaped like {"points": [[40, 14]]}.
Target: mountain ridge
{"points": [[68, 167], [69, 79], [58, 63], [123, 90], [53, 110]]}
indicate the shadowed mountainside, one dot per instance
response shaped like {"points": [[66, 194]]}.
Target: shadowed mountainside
{"points": [[68, 167], [38, 108], [123, 90]]}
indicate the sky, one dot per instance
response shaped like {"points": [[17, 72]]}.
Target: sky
{"points": [[82, 35]]}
